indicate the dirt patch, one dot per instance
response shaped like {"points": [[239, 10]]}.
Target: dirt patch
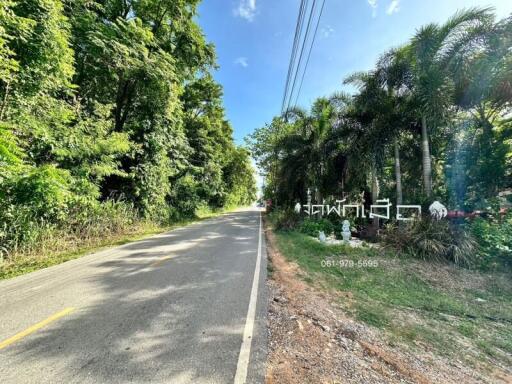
{"points": [[311, 340]]}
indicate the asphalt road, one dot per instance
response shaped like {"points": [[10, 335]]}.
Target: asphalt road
{"points": [[172, 308]]}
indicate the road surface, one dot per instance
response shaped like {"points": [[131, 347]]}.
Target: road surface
{"points": [[180, 307]]}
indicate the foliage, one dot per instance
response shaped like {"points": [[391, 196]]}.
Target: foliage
{"points": [[239, 179], [108, 101], [285, 220], [185, 199], [434, 240], [10, 153], [495, 240], [46, 190], [312, 227], [438, 102], [431, 121]]}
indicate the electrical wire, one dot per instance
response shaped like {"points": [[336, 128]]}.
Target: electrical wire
{"points": [[309, 54], [301, 55], [298, 31]]}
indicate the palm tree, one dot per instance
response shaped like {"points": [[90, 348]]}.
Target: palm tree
{"points": [[372, 110], [393, 73], [431, 51], [380, 99], [483, 87], [484, 83], [308, 144]]}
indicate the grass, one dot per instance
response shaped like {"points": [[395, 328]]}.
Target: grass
{"points": [[438, 305], [22, 263], [59, 249]]}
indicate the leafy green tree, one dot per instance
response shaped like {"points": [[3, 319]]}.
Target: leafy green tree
{"points": [[239, 178], [110, 99], [138, 63], [210, 137]]}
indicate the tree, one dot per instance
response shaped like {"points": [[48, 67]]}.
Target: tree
{"points": [[210, 137], [135, 57], [431, 49], [239, 178], [105, 100], [427, 87]]}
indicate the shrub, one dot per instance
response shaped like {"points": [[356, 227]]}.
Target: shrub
{"points": [[185, 198], [46, 190], [433, 240], [90, 219], [312, 226], [495, 240], [285, 220], [23, 231]]}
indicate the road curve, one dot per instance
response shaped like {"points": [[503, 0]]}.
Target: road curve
{"points": [[172, 308]]}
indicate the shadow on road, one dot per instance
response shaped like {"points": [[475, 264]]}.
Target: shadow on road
{"points": [[180, 321]]}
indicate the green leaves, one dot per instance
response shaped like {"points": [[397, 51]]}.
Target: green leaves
{"points": [[43, 50], [10, 153], [112, 100]]}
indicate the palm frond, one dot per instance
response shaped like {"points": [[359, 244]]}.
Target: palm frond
{"points": [[358, 79]]}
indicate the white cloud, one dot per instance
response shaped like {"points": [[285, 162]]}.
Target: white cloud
{"points": [[373, 4], [242, 61], [246, 9], [394, 7], [326, 31]]}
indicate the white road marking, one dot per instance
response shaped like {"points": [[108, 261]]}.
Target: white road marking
{"points": [[245, 349]]}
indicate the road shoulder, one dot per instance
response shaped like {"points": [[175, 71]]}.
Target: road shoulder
{"points": [[311, 339]]}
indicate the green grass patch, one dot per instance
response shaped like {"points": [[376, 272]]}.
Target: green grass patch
{"points": [[372, 314], [397, 295]]}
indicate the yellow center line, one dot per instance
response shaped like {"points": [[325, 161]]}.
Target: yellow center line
{"points": [[158, 262], [35, 327]]}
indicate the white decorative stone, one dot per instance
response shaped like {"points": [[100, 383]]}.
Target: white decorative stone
{"points": [[437, 210]]}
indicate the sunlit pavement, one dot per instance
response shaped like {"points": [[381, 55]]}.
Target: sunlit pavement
{"points": [[169, 309]]}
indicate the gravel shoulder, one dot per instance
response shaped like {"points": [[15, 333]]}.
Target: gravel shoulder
{"points": [[312, 339]]}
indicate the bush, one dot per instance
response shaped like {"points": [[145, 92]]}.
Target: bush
{"points": [[312, 226], [45, 189], [495, 240], [185, 198], [429, 239], [285, 220], [90, 219]]}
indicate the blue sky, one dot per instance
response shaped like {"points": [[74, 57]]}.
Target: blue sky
{"points": [[253, 39]]}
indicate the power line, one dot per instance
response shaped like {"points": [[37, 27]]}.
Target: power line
{"points": [[310, 50], [301, 55], [298, 31], [300, 42], [298, 34]]}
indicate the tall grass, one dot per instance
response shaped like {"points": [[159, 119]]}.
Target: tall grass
{"points": [[28, 243]]}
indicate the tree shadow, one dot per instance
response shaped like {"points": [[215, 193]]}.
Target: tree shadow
{"points": [[178, 321]]}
